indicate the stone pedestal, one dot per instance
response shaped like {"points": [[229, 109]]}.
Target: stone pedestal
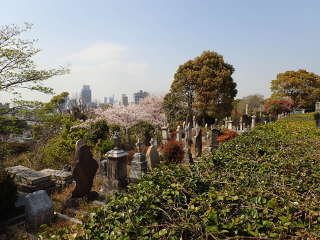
{"points": [[114, 170], [38, 209], [138, 166]]}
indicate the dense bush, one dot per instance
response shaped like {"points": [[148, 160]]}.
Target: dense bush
{"points": [[173, 151], [227, 135], [262, 184], [8, 194]]}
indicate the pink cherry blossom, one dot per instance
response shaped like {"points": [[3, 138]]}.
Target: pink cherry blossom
{"points": [[149, 109]]}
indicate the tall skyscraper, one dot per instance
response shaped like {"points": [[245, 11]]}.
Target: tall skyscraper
{"points": [[109, 100], [125, 101], [139, 96], [86, 95]]}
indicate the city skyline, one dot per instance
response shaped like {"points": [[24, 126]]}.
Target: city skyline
{"points": [[114, 50]]}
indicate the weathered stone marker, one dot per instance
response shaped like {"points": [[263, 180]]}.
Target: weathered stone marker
{"points": [[241, 124], [114, 167], [38, 209], [198, 142], [229, 124], [153, 158], [138, 163], [317, 107], [187, 144], [253, 122], [179, 134], [165, 134], [84, 171], [214, 135]]}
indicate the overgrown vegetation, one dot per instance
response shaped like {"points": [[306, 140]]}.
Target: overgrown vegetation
{"points": [[264, 183]]}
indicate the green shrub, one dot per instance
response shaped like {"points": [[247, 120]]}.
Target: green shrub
{"points": [[144, 130], [97, 131], [8, 194]]}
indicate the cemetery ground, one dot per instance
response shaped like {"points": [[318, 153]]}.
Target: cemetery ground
{"points": [[263, 184]]}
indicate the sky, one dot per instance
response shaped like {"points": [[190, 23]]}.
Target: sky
{"points": [[123, 46]]}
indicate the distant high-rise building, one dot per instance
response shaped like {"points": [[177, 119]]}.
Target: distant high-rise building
{"points": [[86, 95], [139, 96], [125, 101], [109, 100]]}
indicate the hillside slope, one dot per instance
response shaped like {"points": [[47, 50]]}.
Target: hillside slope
{"points": [[263, 184]]}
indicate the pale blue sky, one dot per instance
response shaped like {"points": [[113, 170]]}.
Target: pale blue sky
{"points": [[122, 46]]}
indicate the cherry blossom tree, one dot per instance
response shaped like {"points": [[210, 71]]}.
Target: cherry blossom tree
{"points": [[149, 109]]}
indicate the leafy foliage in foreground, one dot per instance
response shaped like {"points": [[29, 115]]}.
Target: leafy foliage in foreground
{"points": [[265, 183]]}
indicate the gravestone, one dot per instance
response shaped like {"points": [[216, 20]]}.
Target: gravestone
{"points": [[38, 209], [198, 142], [229, 124], [253, 122], [29, 180], [60, 177], [241, 124], [317, 107], [165, 134], [84, 171], [114, 167], [187, 144], [152, 155], [214, 138], [179, 134], [138, 164]]}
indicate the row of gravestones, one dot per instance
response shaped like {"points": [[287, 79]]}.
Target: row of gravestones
{"points": [[194, 136], [113, 168]]}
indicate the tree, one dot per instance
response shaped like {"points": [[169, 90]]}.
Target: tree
{"points": [[255, 102], [17, 69], [149, 110], [279, 106], [301, 86], [204, 87]]}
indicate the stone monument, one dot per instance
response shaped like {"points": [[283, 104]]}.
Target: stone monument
{"points": [[38, 209], [187, 144], [317, 107], [138, 164], [114, 167], [179, 134], [153, 158], [84, 170], [253, 122], [165, 134], [198, 142]]}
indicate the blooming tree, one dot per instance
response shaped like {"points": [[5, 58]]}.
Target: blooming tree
{"points": [[278, 106], [149, 109]]}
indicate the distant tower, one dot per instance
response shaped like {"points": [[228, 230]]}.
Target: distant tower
{"points": [[86, 95], [139, 96], [125, 101]]}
